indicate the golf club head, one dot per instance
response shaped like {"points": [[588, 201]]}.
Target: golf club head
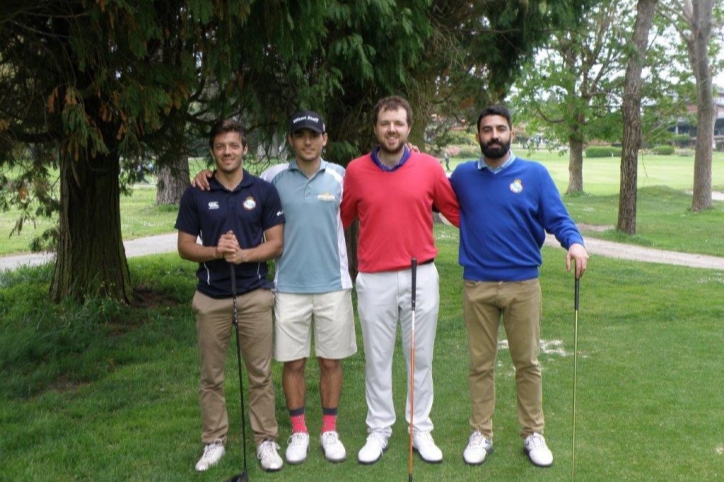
{"points": [[242, 477]]}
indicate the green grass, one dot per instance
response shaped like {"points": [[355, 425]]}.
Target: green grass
{"points": [[108, 393]]}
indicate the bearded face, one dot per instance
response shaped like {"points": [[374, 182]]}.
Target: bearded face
{"points": [[495, 148], [494, 137]]}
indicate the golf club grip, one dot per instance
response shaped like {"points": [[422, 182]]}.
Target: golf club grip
{"points": [[577, 291], [232, 269], [413, 270]]}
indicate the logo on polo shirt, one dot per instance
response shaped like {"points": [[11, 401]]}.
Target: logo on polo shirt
{"points": [[516, 186], [249, 203], [213, 205], [326, 196]]}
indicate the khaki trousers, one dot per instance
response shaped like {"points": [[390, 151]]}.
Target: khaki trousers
{"points": [[213, 332], [519, 305]]}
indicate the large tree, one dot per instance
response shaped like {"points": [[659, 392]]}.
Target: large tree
{"points": [[96, 87], [571, 90], [92, 82], [100, 85], [631, 111], [696, 23]]}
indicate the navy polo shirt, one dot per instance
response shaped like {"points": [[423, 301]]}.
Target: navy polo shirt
{"points": [[248, 210]]}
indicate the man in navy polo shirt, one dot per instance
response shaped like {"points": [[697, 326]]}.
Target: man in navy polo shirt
{"points": [[239, 220]]}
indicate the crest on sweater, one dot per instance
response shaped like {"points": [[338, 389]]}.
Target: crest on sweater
{"points": [[516, 186]]}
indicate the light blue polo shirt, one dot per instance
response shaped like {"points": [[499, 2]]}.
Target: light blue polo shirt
{"points": [[315, 253]]}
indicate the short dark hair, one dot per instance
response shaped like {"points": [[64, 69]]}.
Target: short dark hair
{"points": [[224, 126], [393, 102], [496, 110]]}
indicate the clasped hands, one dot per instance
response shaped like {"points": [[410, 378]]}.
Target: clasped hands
{"points": [[229, 249]]}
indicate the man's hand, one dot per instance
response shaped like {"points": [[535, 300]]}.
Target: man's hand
{"points": [[579, 255], [227, 247], [412, 147], [201, 181]]}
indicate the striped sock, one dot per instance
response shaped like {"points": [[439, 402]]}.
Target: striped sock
{"points": [[329, 420], [299, 424]]}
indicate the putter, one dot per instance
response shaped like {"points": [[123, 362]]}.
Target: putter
{"points": [[575, 373], [242, 477], [413, 295]]}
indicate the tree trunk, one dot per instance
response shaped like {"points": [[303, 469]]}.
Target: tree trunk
{"points": [[575, 166], [91, 259], [632, 119], [172, 180], [706, 109]]}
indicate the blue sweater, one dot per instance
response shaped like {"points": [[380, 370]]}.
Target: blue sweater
{"points": [[504, 217]]}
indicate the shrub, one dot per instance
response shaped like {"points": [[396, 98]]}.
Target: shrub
{"points": [[469, 153], [663, 150], [603, 151], [682, 140]]}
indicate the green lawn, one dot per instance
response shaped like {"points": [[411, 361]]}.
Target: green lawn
{"points": [[108, 393]]}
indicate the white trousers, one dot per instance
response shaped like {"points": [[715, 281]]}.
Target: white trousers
{"points": [[383, 301]]}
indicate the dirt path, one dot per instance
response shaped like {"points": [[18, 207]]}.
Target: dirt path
{"points": [[165, 243], [638, 253]]}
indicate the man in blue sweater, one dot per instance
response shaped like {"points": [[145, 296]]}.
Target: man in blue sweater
{"points": [[506, 206]]}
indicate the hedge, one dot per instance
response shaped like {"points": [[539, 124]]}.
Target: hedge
{"points": [[663, 150], [603, 151]]}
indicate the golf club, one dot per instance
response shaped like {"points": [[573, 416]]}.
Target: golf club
{"points": [[413, 291], [575, 373], [242, 477]]}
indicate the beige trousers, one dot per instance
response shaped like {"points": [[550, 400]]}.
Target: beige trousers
{"points": [[213, 331], [519, 305]]}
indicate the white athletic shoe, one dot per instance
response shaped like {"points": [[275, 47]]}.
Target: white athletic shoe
{"points": [[538, 451], [332, 446], [374, 448], [425, 445], [269, 457], [212, 454], [478, 448], [297, 447]]}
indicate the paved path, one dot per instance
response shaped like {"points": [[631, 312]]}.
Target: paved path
{"points": [[165, 243], [162, 243]]}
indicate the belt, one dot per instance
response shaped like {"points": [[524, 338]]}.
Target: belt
{"points": [[428, 261]]}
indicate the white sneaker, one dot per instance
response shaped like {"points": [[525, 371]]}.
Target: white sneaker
{"points": [[269, 457], [478, 448], [212, 454], [374, 448], [538, 451], [332, 446], [297, 447], [425, 445]]}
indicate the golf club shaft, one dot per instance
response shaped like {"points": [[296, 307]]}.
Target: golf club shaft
{"points": [[577, 291], [235, 321], [413, 296]]}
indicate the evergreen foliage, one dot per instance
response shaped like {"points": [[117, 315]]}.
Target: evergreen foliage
{"points": [[95, 88]]}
